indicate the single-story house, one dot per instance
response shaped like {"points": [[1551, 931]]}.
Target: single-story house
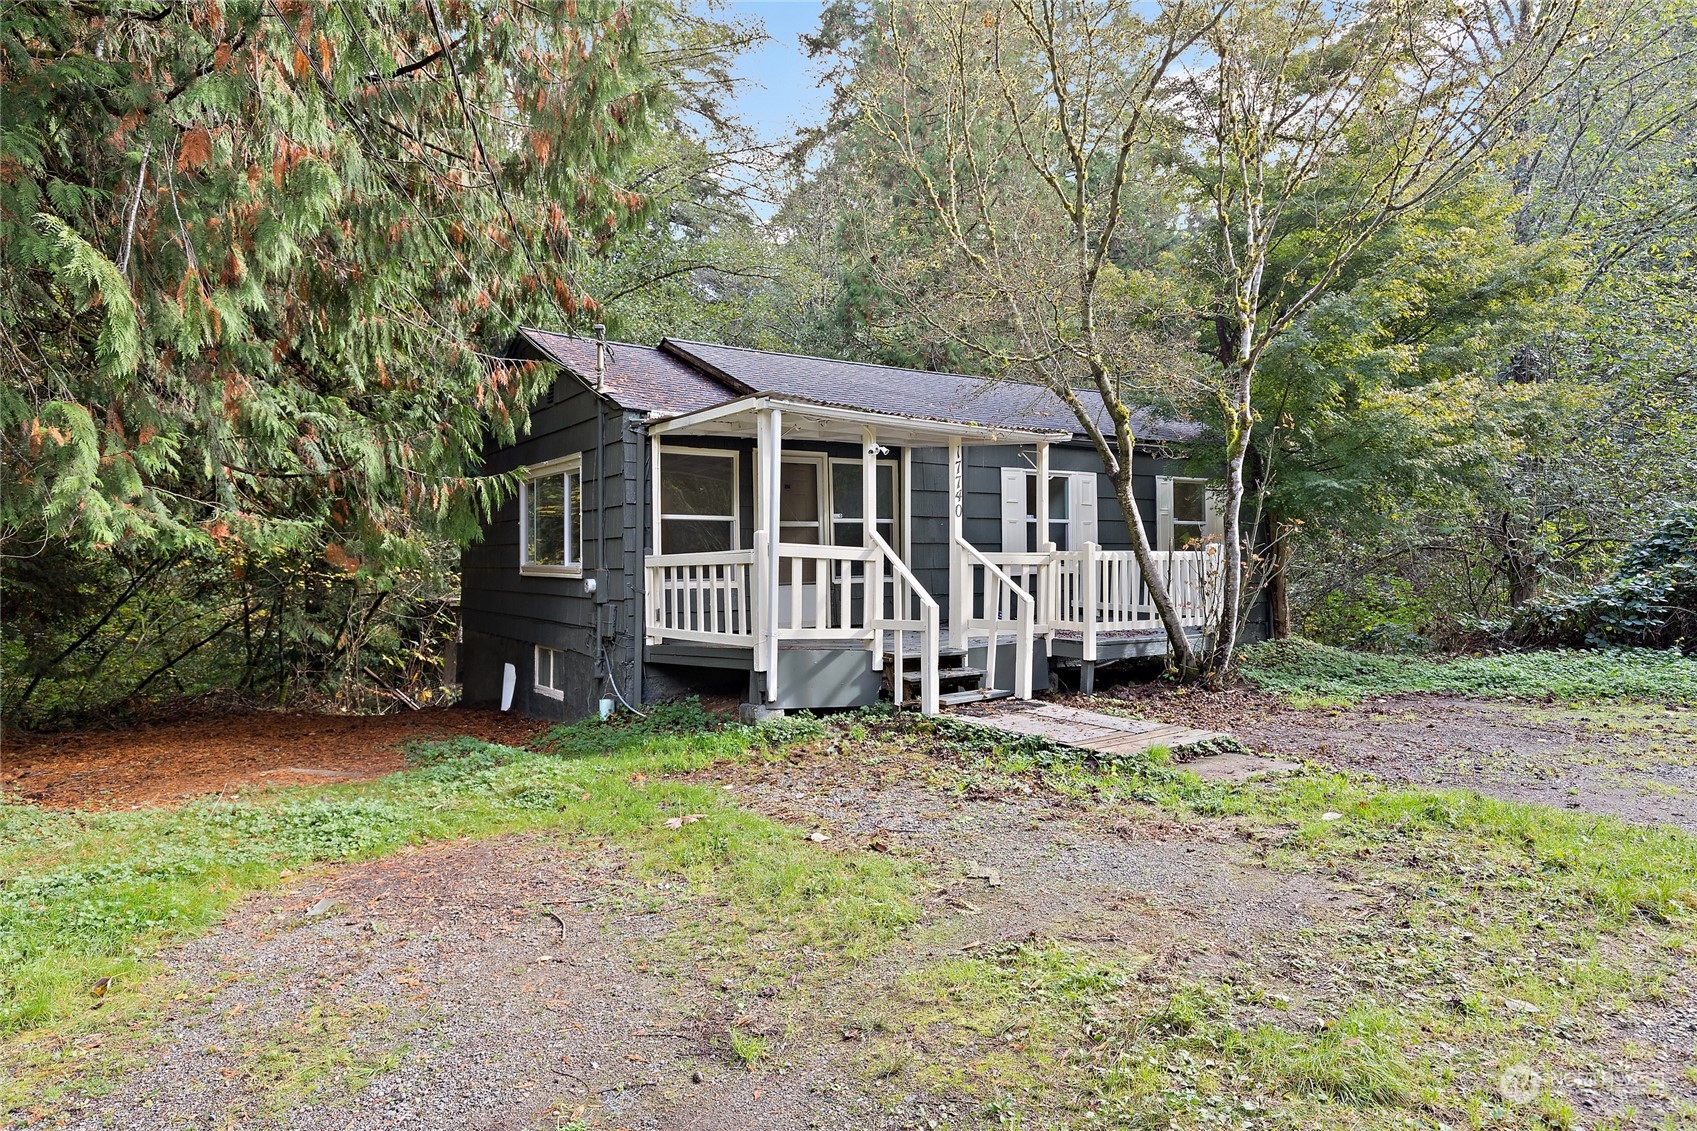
{"points": [[694, 514]]}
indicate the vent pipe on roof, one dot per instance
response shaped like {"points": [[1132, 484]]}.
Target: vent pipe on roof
{"points": [[600, 356]]}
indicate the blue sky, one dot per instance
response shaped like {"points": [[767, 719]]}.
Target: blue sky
{"points": [[779, 91]]}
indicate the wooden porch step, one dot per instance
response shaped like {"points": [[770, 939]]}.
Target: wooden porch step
{"points": [[947, 659], [946, 675], [976, 695]]}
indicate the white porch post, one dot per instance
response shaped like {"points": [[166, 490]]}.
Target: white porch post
{"points": [[959, 599], [1045, 573], [654, 580], [1042, 493], [654, 514], [760, 568], [868, 483], [905, 546], [770, 458], [872, 576]]}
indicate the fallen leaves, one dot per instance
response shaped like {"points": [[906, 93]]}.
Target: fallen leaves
{"points": [[686, 819]]}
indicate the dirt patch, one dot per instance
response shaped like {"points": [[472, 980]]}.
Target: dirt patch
{"points": [[1013, 867], [1637, 763], [164, 763], [501, 984]]}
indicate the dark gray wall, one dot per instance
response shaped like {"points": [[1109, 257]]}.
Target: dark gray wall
{"points": [[505, 614]]}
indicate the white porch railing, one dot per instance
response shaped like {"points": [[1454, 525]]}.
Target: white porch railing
{"points": [[904, 606], [991, 603], [822, 593], [835, 593], [1091, 591], [701, 598], [753, 599]]}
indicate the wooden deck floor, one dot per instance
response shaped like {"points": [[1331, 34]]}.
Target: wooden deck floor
{"points": [[1114, 734]]}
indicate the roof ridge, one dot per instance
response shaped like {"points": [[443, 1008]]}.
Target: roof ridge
{"points": [[583, 338], [685, 342]]}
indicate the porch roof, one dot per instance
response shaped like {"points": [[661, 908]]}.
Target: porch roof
{"points": [[808, 419]]}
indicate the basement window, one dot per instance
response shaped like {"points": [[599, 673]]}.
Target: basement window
{"points": [[550, 672]]}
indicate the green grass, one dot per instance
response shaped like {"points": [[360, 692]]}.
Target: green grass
{"points": [[748, 1048], [1471, 904], [1062, 1034], [1468, 904], [1311, 673], [95, 895]]}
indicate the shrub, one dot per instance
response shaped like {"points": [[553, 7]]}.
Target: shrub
{"points": [[1650, 602]]}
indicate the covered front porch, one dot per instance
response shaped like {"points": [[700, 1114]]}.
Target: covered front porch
{"points": [[795, 592]]}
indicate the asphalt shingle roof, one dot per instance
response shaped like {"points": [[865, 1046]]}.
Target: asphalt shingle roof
{"points": [[640, 378], [682, 376], [910, 392]]}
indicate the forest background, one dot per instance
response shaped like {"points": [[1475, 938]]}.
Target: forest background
{"points": [[262, 258]]}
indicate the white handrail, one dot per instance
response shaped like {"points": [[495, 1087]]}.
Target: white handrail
{"points": [[711, 557], [896, 624], [1023, 623], [819, 552]]}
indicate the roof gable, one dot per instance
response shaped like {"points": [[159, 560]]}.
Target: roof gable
{"points": [[638, 378]]}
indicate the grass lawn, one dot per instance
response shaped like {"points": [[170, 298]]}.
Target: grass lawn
{"points": [[1491, 940], [94, 896]]}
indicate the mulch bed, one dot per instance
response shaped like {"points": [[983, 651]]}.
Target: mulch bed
{"points": [[163, 763]]}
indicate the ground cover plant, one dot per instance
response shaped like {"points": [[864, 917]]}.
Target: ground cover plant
{"points": [[1309, 672]]}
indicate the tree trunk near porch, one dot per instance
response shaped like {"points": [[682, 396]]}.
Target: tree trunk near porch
{"points": [[1240, 420], [1184, 657]]}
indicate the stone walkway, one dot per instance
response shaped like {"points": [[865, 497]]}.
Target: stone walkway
{"points": [[1116, 734]]}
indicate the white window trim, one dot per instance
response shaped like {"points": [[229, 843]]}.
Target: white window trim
{"points": [[574, 534], [735, 458], [894, 521], [821, 464], [1212, 512], [1082, 487], [536, 672]]}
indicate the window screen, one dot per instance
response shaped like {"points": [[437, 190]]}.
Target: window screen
{"points": [[698, 502], [553, 509]]}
